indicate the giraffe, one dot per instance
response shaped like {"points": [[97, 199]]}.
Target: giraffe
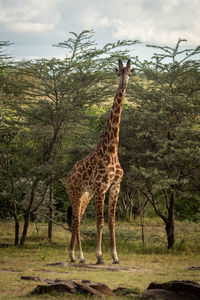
{"points": [[97, 173]]}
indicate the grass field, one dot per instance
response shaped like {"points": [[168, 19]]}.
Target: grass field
{"points": [[138, 266]]}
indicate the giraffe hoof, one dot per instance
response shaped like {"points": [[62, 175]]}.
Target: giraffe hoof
{"points": [[82, 261], [100, 261], [72, 260], [116, 262]]}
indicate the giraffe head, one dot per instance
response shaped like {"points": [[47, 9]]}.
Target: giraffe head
{"points": [[124, 72]]}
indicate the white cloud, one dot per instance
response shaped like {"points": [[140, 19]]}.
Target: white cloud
{"points": [[146, 20], [30, 27], [91, 17], [32, 24], [160, 21], [29, 15]]}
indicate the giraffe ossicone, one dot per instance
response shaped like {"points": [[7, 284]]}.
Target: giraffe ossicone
{"points": [[97, 173]]}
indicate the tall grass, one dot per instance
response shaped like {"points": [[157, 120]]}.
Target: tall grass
{"points": [[128, 237]]}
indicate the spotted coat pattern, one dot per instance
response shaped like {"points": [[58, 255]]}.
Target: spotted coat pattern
{"points": [[97, 173]]}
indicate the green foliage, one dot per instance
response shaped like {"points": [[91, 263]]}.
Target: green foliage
{"points": [[161, 135], [45, 115], [61, 200], [188, 209], [160, 144]]}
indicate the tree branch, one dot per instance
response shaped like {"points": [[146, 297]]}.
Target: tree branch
{"points": [[58, 224], [151, 200], [166, 199]]}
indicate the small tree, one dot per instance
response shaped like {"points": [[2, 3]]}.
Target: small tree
{"points": [[162, 129]]}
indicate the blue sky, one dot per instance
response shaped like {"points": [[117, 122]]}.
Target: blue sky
{"points": [[35, 25]]}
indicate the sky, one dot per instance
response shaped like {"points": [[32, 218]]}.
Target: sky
{"points": [[35, 25]]}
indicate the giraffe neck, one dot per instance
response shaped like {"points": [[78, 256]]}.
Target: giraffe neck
{"points": [[110, 137]]}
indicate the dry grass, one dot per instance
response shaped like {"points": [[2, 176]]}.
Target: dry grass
{"points": [[153, 263]]}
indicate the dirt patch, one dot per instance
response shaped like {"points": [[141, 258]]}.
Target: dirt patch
{"points": [[103, 267], [9, 271], [50, 271], [94, 267]]}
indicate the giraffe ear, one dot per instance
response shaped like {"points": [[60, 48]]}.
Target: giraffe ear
{"points": [[128, 65], [120, 64]]}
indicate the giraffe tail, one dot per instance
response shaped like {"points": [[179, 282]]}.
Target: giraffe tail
{"points": [[69, 216]]}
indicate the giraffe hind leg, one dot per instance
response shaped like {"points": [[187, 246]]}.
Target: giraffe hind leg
{"points": [[79, 205], [113, 198], [85, 199], [74, 229], [75, 200], [72, 246], [100, 223]]}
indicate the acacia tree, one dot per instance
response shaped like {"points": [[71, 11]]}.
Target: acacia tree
{"points": [[51, 110], [8, 133], [162, 139]]}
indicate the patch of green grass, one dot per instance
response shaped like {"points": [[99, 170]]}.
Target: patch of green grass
{"points": [[153, 262]]}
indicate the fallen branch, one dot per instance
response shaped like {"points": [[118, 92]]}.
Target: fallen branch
{"points": [[58, 224]]}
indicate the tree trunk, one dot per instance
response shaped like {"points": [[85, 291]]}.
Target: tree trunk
{"points": [[25, 229], [14, 203], [50, 224], [141, 210], [170, 234], [170, 223], [142, 227], [16, 242], [16, 231], [28, 212], [169, 219]]}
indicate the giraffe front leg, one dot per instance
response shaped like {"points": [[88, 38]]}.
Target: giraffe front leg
{"points": [[113, 198], [100, 223]]}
